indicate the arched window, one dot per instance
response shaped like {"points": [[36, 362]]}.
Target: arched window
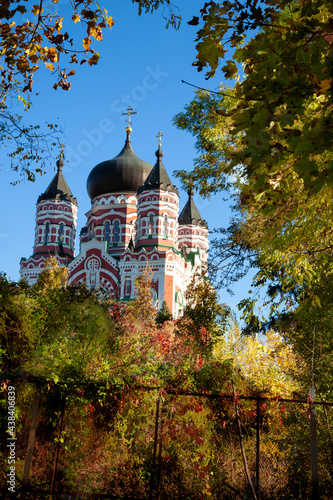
{"points": [[151, 224], [61, 232], [47, 230], [165, 225], [116, 232], [107, 231], [127, 288]]}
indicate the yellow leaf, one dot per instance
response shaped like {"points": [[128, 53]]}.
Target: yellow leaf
{"points": [[86, 43], [96, 32], [58, 24], [49, 66], [52, 54], [325, 84], [109, 20], [36, 10], [76, 18]]}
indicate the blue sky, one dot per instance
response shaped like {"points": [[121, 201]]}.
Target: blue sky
{"points": [[142, 64]]}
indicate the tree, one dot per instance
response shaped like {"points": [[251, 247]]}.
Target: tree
{"points": [[32, 36], [283, 106], [290, 239], [204, 317], [267, 141], [164, 314]]}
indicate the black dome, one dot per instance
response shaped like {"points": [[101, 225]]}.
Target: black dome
{"points": [[124, 173]]}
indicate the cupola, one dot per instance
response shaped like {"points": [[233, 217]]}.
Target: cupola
{"points": [[124, 173], [58, 188]]}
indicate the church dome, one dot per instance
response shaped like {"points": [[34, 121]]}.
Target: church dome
{"points": [[58, 188], [124, 173]]}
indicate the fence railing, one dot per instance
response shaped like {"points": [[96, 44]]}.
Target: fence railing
{"points": [[160, 429]]}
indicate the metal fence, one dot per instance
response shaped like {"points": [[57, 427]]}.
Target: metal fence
{"points": [[161, 443]]}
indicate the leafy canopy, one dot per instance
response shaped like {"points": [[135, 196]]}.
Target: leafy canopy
{"points": [[268, 141], [39, 35], [282, 108]]}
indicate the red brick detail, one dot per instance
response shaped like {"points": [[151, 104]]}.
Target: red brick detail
{"points": [[113, 282], [168, 291]]}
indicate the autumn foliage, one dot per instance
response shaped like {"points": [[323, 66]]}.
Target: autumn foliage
{"points": [[136, 409]]}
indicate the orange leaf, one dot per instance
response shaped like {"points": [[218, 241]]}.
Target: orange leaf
{"points": [[49, 66], [96, 32], [93, 59]]}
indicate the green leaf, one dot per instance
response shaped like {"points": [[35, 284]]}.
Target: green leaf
{"points": [[230, 69]]}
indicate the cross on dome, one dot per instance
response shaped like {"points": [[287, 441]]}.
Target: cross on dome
{"points": [[129, 113], [60, 162], [159, 136]]}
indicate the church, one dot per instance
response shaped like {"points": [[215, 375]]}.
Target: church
{"points": [[134, 222]]}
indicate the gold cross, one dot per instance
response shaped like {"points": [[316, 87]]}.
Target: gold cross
{"points": [[160, 135], [129, 113]]}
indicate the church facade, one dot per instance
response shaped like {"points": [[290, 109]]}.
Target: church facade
{"points": [[134, 221]]}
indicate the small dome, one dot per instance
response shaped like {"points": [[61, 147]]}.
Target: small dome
{"points": [[58, 188], [124, 173], [190, 214], [158, 177]]}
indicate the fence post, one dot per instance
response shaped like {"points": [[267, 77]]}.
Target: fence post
{"points": [[247, 472], [152, 479], [61, 423], [258, 450], [158, 489], [313, 443], [31, 442]]}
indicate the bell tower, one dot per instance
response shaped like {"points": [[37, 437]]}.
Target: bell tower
{"points": [[193, 230], [56, 215], [158, 206]]}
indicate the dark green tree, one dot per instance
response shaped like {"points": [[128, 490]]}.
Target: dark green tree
{"points": [[164, 314]]}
